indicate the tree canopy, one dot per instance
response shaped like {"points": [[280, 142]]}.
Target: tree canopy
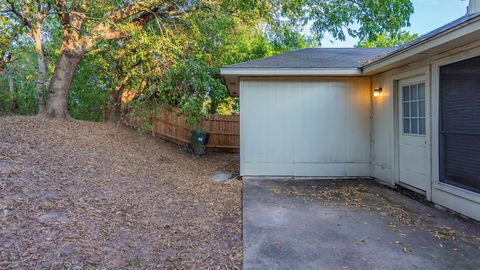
{"points": [[6, 39], [161, 52], [385, 40]]}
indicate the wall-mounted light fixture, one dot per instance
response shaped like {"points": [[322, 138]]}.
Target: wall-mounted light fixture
{"points": [[377, 92]]}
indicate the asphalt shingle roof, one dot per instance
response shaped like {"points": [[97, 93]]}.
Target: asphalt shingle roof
{"points": [[317, 58], [341, 57], [425, 37]]}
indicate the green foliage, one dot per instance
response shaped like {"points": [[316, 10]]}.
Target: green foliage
{"points": [[22, 102], [213, 38], [184, 70], [361, 18], [191, 80], [7, 34], [23, 73], [187, 85], [228, 106], [87, 97], [386, 40], [175, 59]]}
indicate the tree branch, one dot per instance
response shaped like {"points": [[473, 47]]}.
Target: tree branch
{"points": [[6, 59], [140, 14], [63, 12], [106, 31], [128, 12], [18, 14], [363, 9]]}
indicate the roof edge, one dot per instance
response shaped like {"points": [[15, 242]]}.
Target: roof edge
{"points": [[232, 71], [240, 65], [422, 40]]}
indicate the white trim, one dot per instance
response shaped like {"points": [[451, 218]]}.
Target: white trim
{"points": [[458, 199], [305, 178], [460, 192], [401, 57], [467, 27], [456, 58], [473, 6], [417, 75], [416, 80], [242, 128], [412, 188], [291, 71]]}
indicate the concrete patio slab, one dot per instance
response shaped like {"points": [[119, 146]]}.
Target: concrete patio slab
{"points": [[350, 224]]}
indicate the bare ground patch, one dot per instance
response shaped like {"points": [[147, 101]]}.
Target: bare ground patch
{"points": [[85, 195]]}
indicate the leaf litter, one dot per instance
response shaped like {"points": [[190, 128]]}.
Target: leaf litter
{"points": [[81, 195], [361, 196]]}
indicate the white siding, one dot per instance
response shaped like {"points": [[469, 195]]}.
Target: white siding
{"points": [[321, 128], [385, 129], [265, 125], [305, 127]]}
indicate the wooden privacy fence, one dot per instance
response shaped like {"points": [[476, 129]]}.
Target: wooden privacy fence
{"points": [[224, 130]]}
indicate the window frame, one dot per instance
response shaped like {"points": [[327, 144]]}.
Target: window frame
{"points": [[409, 101]]}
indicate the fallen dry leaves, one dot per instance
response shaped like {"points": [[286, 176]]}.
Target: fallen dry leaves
{"points": [[363, 197], [79, 195]]}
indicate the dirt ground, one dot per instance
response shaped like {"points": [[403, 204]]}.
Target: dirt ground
{"points": [[81, 195]]}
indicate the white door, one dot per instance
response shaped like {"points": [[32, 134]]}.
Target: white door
{"points": [[413, 161]]}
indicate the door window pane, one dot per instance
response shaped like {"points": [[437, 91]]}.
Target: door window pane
{"points": [[406, 125], [421, 108], [413, 109], [421, 91], [421, 126], [414, 126], [406, 109], [414, 113], [413, 92], [406, 93]]}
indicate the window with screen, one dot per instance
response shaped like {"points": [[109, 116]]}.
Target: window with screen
{"points": [[460, 124], [414, 109]]}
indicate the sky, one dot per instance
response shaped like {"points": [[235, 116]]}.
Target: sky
{"points": [[428, 15]]}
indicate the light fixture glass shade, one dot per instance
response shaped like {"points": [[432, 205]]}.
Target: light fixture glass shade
{"points": [[377, 92]]}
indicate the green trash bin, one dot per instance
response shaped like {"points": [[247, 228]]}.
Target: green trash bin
{"points": [[199, 141]]}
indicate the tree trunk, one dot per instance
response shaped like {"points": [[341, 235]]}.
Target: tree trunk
{"points": [[60, 84], [42, 68], [74, 46], [114, 106], [11, 85]]}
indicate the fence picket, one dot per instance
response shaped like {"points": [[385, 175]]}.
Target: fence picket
{"points": [[224, 129]]}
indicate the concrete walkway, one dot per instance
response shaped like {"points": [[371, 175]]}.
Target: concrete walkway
{"points": [[350, 224]]}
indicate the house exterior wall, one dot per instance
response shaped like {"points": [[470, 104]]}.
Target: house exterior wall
{"points": [[316, 127], [332, 127], [385, 129]]}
